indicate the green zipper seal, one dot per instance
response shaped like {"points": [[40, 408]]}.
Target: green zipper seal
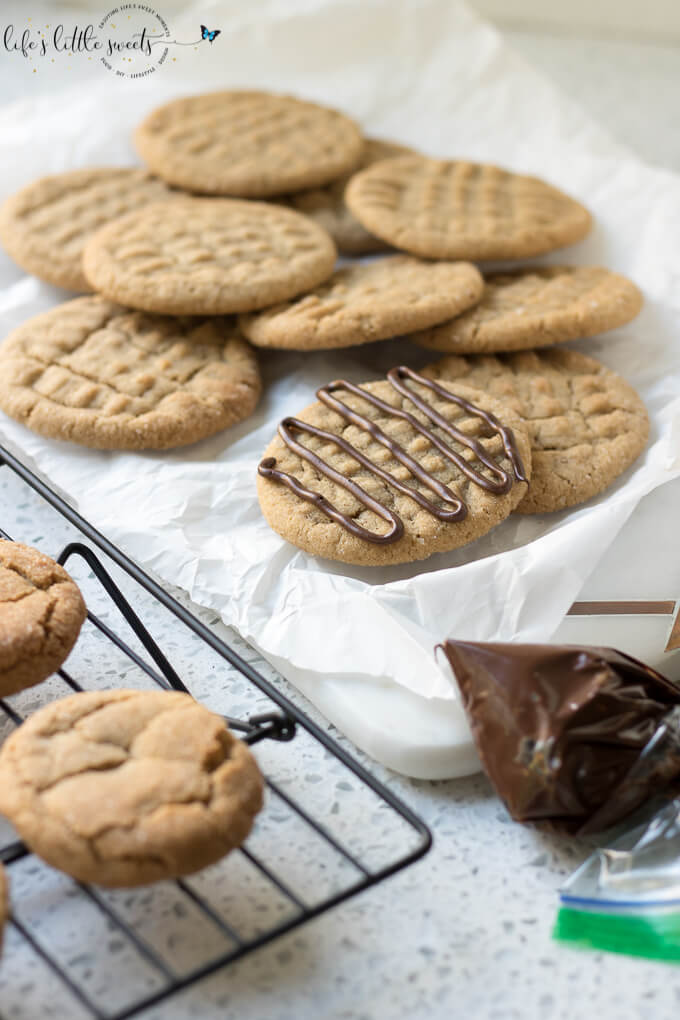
{"points": [[656, 936]]}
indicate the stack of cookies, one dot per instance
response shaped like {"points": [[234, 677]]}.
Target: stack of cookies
{"points": [[229, 241]]}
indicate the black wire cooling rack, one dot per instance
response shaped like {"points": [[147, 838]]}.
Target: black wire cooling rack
{"points": [[238, 921]]}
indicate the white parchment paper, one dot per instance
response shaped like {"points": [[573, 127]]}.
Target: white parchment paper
{"points": [[424, 72]]}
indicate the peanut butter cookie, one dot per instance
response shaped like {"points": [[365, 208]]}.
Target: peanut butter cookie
{"points": [[365, 302], [202, 256], [585, 423], [112, 378], [393, 471], [328, 208], [538, 307], [122, 788], [248, 144], [451, 209], [41, 613], [44, 226]]}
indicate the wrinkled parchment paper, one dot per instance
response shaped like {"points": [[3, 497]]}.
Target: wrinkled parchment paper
{"points": [[423, 72]]}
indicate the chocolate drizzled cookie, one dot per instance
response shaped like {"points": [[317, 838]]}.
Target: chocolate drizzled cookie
{"points": [[393, 471]]}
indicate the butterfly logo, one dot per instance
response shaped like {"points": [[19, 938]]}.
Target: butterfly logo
{"points": [[207, 34]]}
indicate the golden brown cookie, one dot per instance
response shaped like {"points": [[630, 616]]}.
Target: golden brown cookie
{"points": [[365, 302], [247, 144], [393, 471], [122, 788], [202, 256], [452, 209], [44, 226], [586, 424], [41, 613], [538, 307], [4, 903], [109, 377], [327, 205]]}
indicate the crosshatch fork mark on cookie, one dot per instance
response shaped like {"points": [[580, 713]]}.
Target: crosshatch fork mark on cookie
{"points": [[137, 375], [146, 382], [497, 480], [586, 424], [90, 367], [456, 209], [248, 143], [201, 256], [45, 226]]}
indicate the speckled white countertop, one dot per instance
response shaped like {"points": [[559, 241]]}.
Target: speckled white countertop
{"points": [[465, 933]]}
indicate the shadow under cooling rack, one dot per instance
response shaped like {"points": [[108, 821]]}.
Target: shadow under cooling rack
{"points": [[111, 954]]}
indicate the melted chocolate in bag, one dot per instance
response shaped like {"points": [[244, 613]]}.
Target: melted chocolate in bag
{"points": [[577, 735]]}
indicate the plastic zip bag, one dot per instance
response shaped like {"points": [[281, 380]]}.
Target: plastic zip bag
{"points": [[626, 897]]}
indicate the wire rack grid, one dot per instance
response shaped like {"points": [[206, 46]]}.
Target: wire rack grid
{"points": [[262, 891]]}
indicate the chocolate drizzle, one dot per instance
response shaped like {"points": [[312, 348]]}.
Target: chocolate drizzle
{"points": [[453, 509]]}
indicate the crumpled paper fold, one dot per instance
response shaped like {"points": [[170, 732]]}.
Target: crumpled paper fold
{"points": [[430, 75]]}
